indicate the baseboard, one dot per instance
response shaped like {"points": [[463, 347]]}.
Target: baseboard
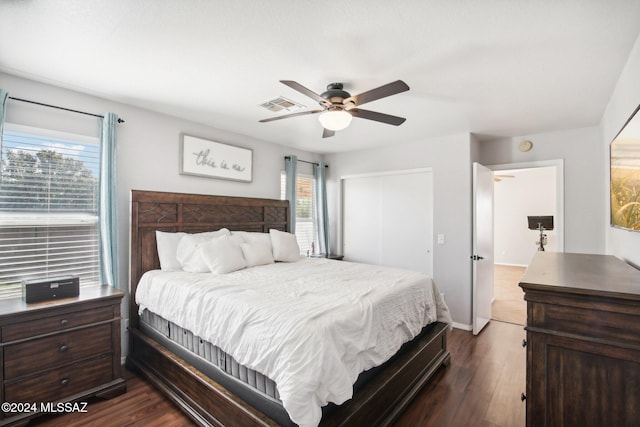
{"points": [[510, 265], [462, 326]]}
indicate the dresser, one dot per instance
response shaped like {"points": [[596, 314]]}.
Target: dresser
{"points": [[583, 341], [59, 351]]}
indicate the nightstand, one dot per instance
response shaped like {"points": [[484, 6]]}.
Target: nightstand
{"points": [[60, 351]]}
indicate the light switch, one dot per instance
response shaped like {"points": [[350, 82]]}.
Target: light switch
{"points": [[441, 239]]}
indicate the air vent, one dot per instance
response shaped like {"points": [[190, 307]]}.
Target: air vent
{"points": [[281, 103]]}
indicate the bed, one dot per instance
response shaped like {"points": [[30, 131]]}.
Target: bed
{"points": [[179, 362]]}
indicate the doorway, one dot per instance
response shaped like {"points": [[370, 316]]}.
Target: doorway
{"points": [[508, 304], [522, 190]]}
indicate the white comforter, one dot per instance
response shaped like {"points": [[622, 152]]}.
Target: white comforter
{"points": [[311, 326]]}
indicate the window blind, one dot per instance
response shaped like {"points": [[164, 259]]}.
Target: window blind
{"points": [[48, 207], [306, 229]]}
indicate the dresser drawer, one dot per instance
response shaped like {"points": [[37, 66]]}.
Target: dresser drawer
{"points": [[55, 323], [595, 323], [55, 350], [55, 385]]}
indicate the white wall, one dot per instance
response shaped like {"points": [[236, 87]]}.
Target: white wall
{"points": [[624, 100], [526, 192], [584, 179], [147, 153], [450, 159]]}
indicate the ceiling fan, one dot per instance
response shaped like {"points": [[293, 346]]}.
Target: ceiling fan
{"points": [[339, 107]]}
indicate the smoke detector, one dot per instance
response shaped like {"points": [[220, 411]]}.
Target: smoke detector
{"points": [[525, 146]]}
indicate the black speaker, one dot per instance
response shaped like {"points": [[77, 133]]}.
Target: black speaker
{"points": [[37, 290]]}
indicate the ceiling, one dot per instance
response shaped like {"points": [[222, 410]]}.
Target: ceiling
{"points": [[496, 68]]}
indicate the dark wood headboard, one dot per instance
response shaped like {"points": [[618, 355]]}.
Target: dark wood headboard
{"points": [[192, 213]]}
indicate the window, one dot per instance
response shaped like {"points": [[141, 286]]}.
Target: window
{"points": [[306, 229], [48, 207]]}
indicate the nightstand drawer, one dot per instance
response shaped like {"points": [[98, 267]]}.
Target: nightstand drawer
{"points": [[55, 323], [55, 385], [43, 353], [53, 351]]}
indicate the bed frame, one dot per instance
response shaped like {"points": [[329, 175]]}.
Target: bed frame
{"points": [[378, 403]]}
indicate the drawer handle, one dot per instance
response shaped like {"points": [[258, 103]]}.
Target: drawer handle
{"points": [[64, 381], [63, 322], [524, 343], [63, 348], [523, 397]]}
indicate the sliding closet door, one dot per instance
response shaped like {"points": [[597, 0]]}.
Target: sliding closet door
{"points": [[388, 219], [361, 219]]}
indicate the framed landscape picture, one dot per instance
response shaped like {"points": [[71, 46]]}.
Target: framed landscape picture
{"points": [[625, 175], [202, 157]]}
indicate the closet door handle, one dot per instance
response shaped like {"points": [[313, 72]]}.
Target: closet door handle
{"points": [[524, 343]]}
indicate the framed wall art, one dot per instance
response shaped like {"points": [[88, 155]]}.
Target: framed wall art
{"points": [[202, 157], [625, 175]]}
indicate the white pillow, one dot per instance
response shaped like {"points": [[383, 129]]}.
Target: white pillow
{"points": [[285, 246], [257, 253], [222, 255], [237, 239], [167, 244], [187, 253], [253, 236]]}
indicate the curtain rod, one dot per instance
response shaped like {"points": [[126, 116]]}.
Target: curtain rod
{"points": [[306, 161], [61, 108]]}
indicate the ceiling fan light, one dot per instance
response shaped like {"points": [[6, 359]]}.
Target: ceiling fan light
{"points": [[335, 119]]}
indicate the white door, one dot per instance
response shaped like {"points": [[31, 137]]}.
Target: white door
{"points": [[482, 256], [407, 210], [388, 219]]}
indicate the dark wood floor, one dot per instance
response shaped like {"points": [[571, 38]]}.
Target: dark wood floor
{"points": [[481, 387]]}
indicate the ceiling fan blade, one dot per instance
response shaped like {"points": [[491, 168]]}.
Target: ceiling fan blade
{"points": [[380, 92], [326, 133], [286, 116], [378, 117], [303, 90]]}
